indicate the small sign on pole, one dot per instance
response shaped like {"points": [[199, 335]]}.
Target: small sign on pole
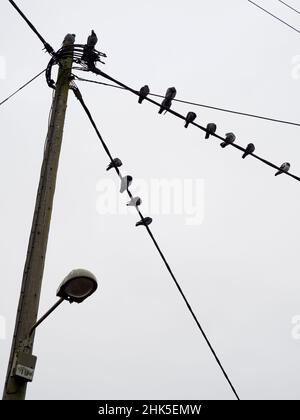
{"points": [[25, 365]]}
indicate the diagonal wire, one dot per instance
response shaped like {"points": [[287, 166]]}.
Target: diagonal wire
{"points": [[182, 117], [47, 46], [276, 17], [22, 87], [197, 104], [290, 7], [80, 98]]}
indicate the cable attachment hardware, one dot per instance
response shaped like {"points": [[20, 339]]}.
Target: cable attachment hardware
{"points": [[84, 56]]}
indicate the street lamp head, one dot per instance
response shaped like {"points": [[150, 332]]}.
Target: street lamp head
{"points": [[77, 286]]}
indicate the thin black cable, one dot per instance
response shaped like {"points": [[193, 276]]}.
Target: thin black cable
{"points": [[171, 111], [200, 105], [276, 17], [47, 46], [22, 87], [290, 7], [192, 312], [81, 79], [246, 114], [79, 97]]}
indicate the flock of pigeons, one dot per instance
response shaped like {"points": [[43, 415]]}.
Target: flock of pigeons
{"points": [[211, 128], [126, 181], [166, 104]]}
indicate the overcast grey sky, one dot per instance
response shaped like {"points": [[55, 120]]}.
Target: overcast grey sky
{"points": [[239, 266]]}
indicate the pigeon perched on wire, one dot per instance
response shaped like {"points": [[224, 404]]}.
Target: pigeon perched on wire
{"points": [[115, 163], [167, 101], [191, 116], [165, 105], [69, 39], [283, 168], [249, 149], [92, 40], [135, 202], [171, 93], [146, 221], [125, 183], [230, 138], [144, 91], [211, 128]]}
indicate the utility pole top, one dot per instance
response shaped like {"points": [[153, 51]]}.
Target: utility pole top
{"points": [[69, 40]]}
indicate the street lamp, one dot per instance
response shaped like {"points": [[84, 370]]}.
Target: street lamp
{"points": [[76, 287]]}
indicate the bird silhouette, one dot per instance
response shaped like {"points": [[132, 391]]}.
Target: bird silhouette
{"points": [[69, 39], [283, 168], [211, 129], [230, 138], [170, 93], [125, 183], [144, 91], [115, 163], [167, 101], [191, 116], [165, 105], [146, 221], [249, 149], [92, 40], [135, 202]]}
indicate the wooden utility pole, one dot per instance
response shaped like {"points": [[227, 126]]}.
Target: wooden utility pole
{"points": [[21, 362]]}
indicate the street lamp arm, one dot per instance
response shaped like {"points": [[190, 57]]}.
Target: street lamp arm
{"points": [[38, 322]]}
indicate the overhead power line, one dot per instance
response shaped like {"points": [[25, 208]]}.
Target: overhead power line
{"points": [[80, 98], [276, 17], [22, 87], [198, 104], [182, 117], [290, 7], [47, 46], [246, 114]]}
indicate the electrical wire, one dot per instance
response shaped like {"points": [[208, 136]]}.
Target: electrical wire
{"points": [[200, 105], [22, 87], [182, 117], [276, 17], [47, 46], [80, 98], [290, 7]]}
